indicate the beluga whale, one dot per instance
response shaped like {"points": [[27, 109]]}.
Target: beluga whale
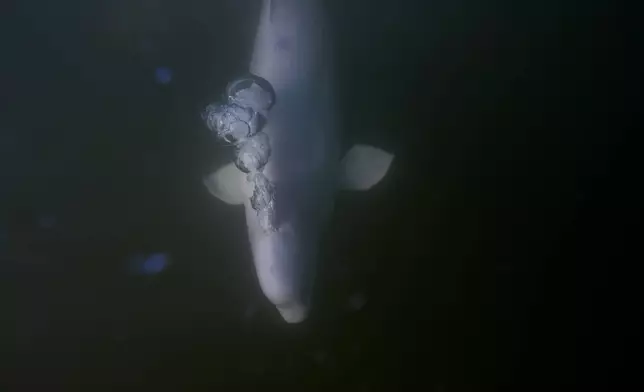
{"points": [[281, 118]]}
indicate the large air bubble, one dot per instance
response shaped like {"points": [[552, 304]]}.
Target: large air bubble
{"points": [[233, 123], [253, 153], [251, 91]]}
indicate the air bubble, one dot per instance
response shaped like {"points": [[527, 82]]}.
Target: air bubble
{"points": [[212, 115], [233, 123], [252, 91], [253, 153], [263, 192]]}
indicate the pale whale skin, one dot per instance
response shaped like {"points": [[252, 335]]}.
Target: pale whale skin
{"points": [[292, 51]]}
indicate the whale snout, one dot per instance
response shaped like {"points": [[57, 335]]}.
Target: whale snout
{"points": [[293, 312], [285, 266]]}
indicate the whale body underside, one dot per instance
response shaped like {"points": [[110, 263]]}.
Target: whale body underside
{"points": [[303, 168]]}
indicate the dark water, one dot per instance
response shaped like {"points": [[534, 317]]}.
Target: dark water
{"points": [[494, 252]]}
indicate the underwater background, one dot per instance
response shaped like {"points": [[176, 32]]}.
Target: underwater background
{"points": [[494, 252]]}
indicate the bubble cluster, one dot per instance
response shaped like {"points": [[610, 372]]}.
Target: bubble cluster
{"points": [[239, 121]]}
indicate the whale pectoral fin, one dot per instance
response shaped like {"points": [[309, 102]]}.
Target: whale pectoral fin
{"points": [[364, 166], [226, 184]]}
